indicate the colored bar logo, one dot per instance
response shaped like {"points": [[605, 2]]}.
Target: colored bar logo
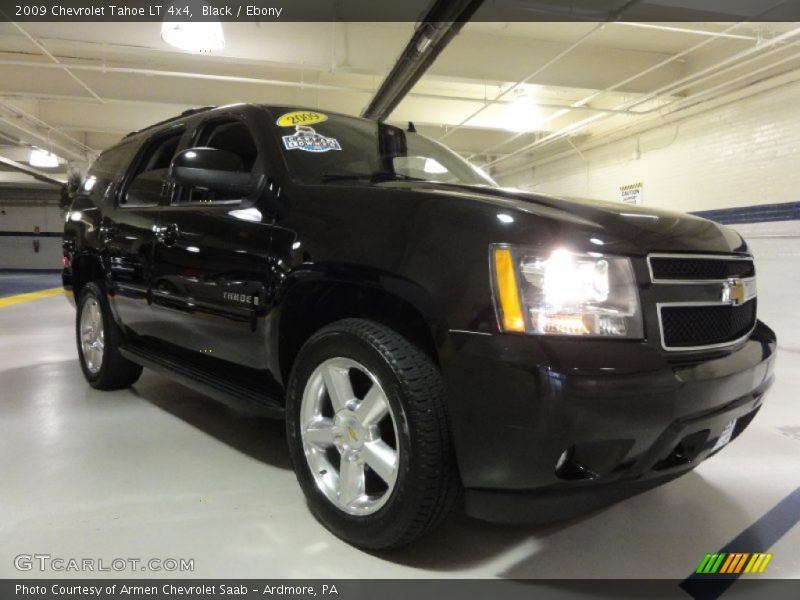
{"points": [[733, 563]]}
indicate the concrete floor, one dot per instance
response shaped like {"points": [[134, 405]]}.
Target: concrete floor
{"points": [[159, 471]]}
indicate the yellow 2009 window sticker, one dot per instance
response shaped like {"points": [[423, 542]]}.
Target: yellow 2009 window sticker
{"points": [[300, 117]]}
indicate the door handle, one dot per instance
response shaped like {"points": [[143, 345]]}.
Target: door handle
{"points": [[166, 189], [167, 234], [107, 230]]}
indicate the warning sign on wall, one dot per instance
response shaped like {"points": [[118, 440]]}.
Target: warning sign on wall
{"points": [[632, 193]]}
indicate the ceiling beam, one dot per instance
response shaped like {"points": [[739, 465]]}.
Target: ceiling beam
{"points": [[49, 55], [28, 170], [474, 55], [35, 131], [441, 23], [437, 95]]}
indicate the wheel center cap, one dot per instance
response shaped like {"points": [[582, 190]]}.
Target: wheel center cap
{"points": [[349, 429], [352, 433]]}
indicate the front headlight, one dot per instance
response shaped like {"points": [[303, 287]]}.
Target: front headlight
{"points": [[565, 293]]}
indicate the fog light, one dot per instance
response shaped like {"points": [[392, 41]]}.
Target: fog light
{"points": [[569, 468], [562, 460]]}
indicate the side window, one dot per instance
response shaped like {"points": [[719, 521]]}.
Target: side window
{"points": [[108, 168], [230, 135], [146, 182]]}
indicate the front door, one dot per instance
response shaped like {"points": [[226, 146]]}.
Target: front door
{"points": [[211, 273]]}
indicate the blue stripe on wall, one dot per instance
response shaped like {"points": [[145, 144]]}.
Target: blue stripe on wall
{"points": [[30, 234], [785, 211]]}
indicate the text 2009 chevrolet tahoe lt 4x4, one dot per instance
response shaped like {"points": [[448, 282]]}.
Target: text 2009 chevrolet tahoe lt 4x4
{"points": [[422, 331]]}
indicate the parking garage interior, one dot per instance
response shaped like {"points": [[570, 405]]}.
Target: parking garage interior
{"points": [[697, 117]]}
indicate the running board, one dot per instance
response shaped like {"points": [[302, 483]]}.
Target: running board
{"points": [[241, 397]]}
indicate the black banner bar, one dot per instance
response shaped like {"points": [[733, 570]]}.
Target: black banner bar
{"points": [[70, 11], [385, 589]]}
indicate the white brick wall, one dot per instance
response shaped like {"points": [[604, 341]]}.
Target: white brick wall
{"points": [[737, 155], [740, 154], [776, 247], [17, 252]]}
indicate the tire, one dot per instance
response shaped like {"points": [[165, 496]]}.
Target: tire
{"points": [[98, 348], [424, 485]]}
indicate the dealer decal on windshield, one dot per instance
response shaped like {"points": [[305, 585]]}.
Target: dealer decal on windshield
{"points": [[306, 139], [300, 117]]}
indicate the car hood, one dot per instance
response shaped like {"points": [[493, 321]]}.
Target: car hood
{"points": [[628, 227]]}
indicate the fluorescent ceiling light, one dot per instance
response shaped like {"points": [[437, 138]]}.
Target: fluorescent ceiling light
{"points": [[42, 158], [202, 37], [523, 114]]}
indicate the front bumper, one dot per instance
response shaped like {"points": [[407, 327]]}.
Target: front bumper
{"points": [[547, 428]]}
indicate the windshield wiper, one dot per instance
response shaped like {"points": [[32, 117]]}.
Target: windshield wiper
{"points": [[375, 177], [392, 176]]}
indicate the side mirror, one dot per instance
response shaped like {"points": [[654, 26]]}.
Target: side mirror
{"points": [[391, 144], [217, 170]]}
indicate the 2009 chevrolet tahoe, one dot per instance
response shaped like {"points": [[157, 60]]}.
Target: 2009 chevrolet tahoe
{"points": [[426, 335]]}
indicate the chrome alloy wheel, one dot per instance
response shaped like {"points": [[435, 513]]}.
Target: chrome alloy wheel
{"points": [[92, 335], [349, 435]]}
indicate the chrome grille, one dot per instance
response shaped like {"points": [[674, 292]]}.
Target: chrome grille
{"points": [[715, 300], [674, 268], [692, 326]]}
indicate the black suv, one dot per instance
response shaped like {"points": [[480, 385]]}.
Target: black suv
{"points": [[427, 335]]}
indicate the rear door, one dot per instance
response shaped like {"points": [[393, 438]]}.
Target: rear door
{"points": [[127, 228], [211, 272], [130, 229]]}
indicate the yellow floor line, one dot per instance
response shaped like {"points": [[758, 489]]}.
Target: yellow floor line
{"points": [[20, 298]]}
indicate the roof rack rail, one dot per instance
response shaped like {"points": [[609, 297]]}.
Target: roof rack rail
{"points": [[186, 113], [199, 109]]}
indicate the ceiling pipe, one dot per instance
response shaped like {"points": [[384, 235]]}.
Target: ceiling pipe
{"points": [[24, 121], [691, 79], [35, 173], [613, 87], [43, 141], [254, 81], [636, 76], [557, 58], [670, 92], [440, 24], [648, 124], [49, 55], [692, 107], [688, 31], [664, 11], [577, 43], [37, 122], [672, 112]]}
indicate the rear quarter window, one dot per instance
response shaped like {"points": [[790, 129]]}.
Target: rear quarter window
{"points": [[108, 168]]}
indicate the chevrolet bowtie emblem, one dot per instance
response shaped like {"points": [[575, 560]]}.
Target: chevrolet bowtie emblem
{"points": [[734, 292]]}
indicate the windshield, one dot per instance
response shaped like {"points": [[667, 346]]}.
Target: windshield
{"points": [[321, 148]]}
